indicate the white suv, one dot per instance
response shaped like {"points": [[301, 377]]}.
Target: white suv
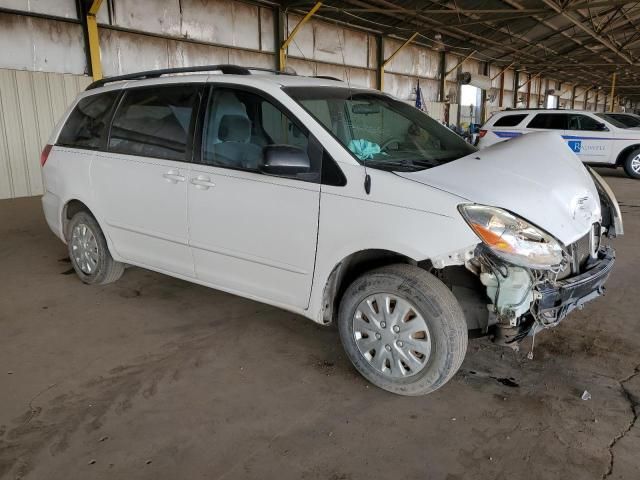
{"points": [[338, 203], [597, 138]]}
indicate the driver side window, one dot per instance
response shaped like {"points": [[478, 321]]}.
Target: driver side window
{"points": [[240, 124]]}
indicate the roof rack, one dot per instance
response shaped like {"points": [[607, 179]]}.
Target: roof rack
{"points": [[327, 77], [223, 68], [512, 109]]}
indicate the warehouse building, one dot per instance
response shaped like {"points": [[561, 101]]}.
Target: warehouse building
{"points": [[46, 58], [341, 239]]}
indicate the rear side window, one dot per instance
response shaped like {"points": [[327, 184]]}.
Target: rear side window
{"points": [[626, 120], [87, 124], [549, 121], [154, 122], [509, 120]]}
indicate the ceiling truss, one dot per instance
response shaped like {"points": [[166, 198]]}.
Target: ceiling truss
{"points": [[577, 41]]}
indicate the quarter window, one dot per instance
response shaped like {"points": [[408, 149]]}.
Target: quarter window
{"points": [[86, 125], [154, 122], [509, 120], [549, 121]]}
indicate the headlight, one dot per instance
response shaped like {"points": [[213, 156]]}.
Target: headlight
{"points": [[513, 238]]}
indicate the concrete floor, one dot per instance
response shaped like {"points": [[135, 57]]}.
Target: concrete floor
{"points": [[153, 377]]}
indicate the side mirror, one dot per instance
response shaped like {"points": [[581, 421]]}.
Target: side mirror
{"points": [[601, 127], [284, 160]]}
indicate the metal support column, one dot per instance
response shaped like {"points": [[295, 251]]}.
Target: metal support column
{"points": [[516, 83], [529, 90], [459, 95], [613, 91], [483, 96], [94, 39], [280, 27], [441, 77], [285, 45], [573, 97], [539, 102], [380, 62], [585, 106]]}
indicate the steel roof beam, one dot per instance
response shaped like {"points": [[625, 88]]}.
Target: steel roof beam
{"points": [[589, 31]]}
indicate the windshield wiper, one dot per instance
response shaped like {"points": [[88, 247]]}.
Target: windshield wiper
{"points": [[390, 165]]}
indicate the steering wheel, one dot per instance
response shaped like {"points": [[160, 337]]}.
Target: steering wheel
{"points": [[388, 142]]}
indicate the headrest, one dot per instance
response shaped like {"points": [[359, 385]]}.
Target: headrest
{"points": [[234, 128]]}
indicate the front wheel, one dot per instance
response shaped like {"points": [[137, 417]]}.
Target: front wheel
{"points": [[403, 329], [632, 164]]}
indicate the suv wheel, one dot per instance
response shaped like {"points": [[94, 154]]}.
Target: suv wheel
{"points": [[403, 329], [89, 253], [632, 164]]}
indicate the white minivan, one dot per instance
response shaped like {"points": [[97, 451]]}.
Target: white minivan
{"points": [[341, 204], [603, 139]]}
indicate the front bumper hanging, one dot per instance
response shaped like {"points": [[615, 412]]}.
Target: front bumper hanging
{"points": [[556, 300]]}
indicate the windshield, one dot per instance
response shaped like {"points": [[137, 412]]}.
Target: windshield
{"points": [[621, 120], [381, 131]]}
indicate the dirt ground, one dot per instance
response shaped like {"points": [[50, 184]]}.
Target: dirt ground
{"points": [[155, 378]]}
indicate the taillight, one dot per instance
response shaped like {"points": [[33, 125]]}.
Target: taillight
{"points": [[45, 154], [482, 133]]}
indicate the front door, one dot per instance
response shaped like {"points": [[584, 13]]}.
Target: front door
{"points": [[252, 233], [141, 181]]}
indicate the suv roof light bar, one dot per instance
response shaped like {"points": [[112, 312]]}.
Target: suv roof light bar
{"points": [[223, 68]]}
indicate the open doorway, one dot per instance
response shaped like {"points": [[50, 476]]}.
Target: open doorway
{"points": [[552, 101], [470, 100]]}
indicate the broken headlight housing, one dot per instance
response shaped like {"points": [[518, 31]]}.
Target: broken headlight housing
{"points": [[512, 238]]}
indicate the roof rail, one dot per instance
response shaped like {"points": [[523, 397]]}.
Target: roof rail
{"points": [[328, 77], [224, 68], [512, 109]]}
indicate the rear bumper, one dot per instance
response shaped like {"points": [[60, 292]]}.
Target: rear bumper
{"points": [[557, 300]]}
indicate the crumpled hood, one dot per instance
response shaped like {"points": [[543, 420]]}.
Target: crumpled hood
{"points": [[535, 176]]}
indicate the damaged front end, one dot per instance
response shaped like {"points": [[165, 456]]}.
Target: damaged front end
{"points": [[525, 301], [530, 280]]}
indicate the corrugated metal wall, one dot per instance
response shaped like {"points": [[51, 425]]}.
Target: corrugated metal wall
{"points": [[145, 34], [30, 105]]}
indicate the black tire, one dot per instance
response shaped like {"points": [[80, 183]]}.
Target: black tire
{"points": [[628, 168], [439, 309], [107, 270]]}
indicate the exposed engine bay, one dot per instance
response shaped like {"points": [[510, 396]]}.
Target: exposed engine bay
{"points": [[511, 302]]}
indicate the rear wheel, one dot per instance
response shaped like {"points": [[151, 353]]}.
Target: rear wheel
{"points": [[632, 164], [403, 329], [89, 253]]}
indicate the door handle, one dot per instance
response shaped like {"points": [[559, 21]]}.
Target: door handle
{"points": [[173, 176], [202, 182]]}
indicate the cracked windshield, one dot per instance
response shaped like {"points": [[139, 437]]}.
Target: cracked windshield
{"points": [[381, 131]]}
